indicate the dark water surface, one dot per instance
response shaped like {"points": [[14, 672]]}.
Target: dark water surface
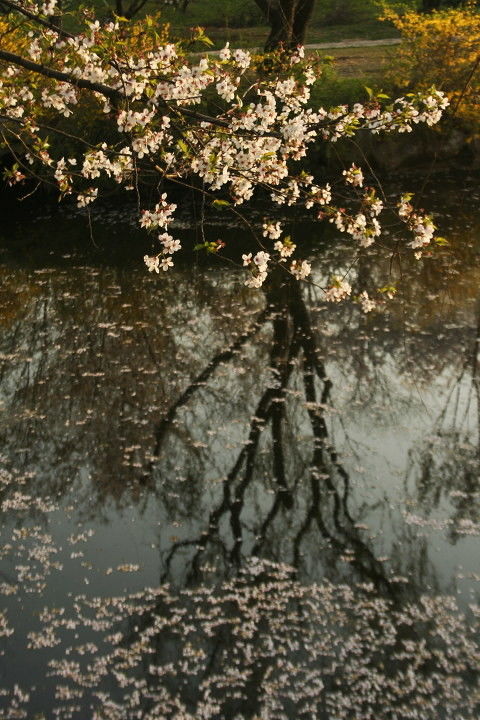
{"points": [[226, 503]]}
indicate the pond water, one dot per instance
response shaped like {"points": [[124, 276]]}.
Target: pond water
{"points": [[226, 503]]}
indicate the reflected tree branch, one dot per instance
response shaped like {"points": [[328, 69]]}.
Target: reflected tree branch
{"points": [[292, 339]]}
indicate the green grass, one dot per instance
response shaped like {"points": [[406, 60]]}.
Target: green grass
{"points": [[362, 62], [351, 71], [241, 23], [254, 37]]}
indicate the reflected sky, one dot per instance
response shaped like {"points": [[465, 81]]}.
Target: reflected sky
{"points": [[182, 457]]}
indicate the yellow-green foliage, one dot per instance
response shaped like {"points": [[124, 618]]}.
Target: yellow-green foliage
{"points": [[13, 36], [441, 48]]}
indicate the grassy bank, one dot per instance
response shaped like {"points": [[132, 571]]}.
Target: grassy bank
{"points": [[241, 23], [351, 70], [249, 37]]}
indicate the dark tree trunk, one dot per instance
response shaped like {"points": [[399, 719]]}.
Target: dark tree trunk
{"points": [[279, 15], [303, 13], [288, 21]]}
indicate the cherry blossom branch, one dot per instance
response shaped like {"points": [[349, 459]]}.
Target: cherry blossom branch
{"points": [[108, 92], [34, 18], [151, 94]]}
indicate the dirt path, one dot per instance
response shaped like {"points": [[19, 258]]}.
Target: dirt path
{"points": [[352, 43]]}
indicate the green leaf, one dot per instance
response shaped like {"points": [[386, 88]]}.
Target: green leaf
{"points": [[183, 147], [206, 41], [388, 289]]}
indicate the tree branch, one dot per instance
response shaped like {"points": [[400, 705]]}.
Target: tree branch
{"points": [[36, 19], [104, 90], [109, 92]]}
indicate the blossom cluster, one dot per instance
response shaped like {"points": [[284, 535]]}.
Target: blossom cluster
{"points": [[420, 225]]}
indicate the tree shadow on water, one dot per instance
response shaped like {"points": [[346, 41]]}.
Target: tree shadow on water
{"points": [[293, 357]]}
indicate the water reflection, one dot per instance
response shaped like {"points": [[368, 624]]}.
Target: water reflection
{"points": [[305, 486], [226, 504]]}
